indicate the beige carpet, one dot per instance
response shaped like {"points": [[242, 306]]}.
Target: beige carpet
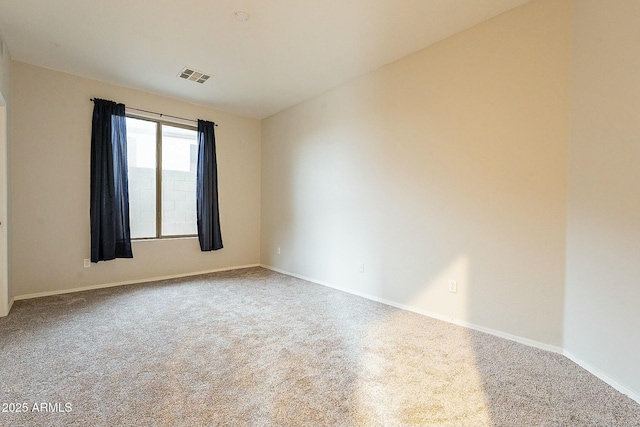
{"points": [[256, 348]]}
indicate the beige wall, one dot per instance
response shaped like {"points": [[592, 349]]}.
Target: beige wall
{"points": [[5, 71], [5, 90], [602, 316], [50, 156], [450, 163]]}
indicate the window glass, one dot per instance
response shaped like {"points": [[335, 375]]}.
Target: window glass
{"points": [[141, 159], [179, 161]]}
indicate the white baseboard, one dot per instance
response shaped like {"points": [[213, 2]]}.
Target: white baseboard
{"points": [[8, 308], [521, 340], [128, 282], [613, 383]]}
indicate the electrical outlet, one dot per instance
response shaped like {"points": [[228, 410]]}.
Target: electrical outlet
{"points": [[278, 251], [453, 286], [361, 268], [87, 263]]}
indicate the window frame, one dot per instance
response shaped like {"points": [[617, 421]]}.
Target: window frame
{"points": [[159, 123]]}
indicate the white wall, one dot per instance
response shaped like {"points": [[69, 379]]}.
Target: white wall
{"points": [[50, 156], [602, 316], [449, 163]]}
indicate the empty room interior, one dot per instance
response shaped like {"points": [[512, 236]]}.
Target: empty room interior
{"points": [[320, 213]]}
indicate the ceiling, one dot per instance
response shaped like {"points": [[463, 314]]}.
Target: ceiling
{"points": [[286, 52]]}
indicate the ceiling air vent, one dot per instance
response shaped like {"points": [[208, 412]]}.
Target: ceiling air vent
{"points": [[193, 75]]}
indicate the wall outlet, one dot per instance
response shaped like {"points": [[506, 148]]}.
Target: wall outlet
{"points": [[453, 286], [278, 250], [87, 263], [361, 268]]}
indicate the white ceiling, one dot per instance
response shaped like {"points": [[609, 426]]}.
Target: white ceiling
{"points": [[288, 51]]}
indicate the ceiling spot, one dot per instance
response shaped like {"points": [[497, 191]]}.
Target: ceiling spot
{"points": [[241, 16]]}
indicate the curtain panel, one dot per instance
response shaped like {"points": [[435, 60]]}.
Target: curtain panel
{"points": [[208, 216], [109, 210]]}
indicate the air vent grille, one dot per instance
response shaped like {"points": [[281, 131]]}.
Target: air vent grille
{"points": [[193, 75]]}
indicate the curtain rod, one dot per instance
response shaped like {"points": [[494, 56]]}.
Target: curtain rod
{"points": [[160, 114]]}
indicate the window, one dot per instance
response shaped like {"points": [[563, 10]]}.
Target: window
{"points": [[162, 160]]}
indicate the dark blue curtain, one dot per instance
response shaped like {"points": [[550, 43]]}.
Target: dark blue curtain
{"points": [[207, 189], [110, 235]]}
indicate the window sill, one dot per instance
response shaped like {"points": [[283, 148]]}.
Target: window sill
{"points": [[163, 238]]}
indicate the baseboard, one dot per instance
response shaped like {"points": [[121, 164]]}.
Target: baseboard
{"points": [[9, 304], [613, 383], [128, 282], [516, 338]]}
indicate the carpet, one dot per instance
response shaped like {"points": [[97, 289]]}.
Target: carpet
{"points": [[256, 348]]}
